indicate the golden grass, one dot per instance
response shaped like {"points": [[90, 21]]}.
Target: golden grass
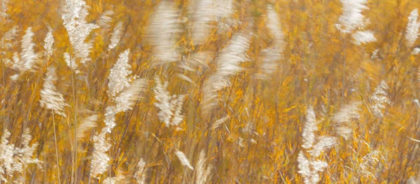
{"points": [[261, 140]]}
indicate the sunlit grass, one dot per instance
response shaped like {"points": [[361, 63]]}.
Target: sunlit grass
{"points": [[245, 106]]}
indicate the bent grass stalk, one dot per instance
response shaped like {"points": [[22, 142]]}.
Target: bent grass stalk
{"points": [[56, 149]]}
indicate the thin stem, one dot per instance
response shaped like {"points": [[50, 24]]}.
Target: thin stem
{"points": [[344, 81], [4, 89], [56, 149], [74, 165]]}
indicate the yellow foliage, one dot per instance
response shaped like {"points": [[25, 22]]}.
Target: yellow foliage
{"points": [[319, 66]]}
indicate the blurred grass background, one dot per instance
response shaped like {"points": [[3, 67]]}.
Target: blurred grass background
{"points": [[260, 141]]}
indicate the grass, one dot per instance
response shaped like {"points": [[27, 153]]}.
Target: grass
{"points": [[262, 138]]}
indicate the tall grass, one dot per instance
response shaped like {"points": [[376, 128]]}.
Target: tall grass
{"points": [[209, 91]]}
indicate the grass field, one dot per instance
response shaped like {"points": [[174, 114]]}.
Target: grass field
{"points": [[209, 91]]}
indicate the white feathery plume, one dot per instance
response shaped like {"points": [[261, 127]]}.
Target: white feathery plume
{"points": [[101, 144], [162, 32], [205, 12], [232, 55], [322, 144], [14, 77], [9, 63], [114, 180], [197, 59], [344, 117], [241, 142], [75, 12], [193, 63], [119, 75], [274, 25], [416, 101], [169, 106], [6, 41], [14, 159], [203, 171], [87, 124], [269, 62], [223, 9], [183, 159], [118, 179], [227, 65], [48, 43], [15, 63], [317, 167], [379, 99], [50, 98], [128, 97], [110, 113], [70, 61], [186, 78], [414, 180], [369, 164], [362, 37], [415, 51], [116, 36], [203, 15], [16, 60], [304, 167], [249, 128], [352, 16], [105, 19], [273, 54], [140, 174], [28, 54], [185, 65], [213, 84], [412, 31], [24, 155], [177, 104], [311, 125], [100, 157], [219, 122], [3, 9], [347, 113], [124, 96], [374, 54], [344, 131], [310, 167], [27, 57], [6, 156], [124, 101]]}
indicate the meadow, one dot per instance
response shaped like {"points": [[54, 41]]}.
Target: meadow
{"points": [[209, 91]]}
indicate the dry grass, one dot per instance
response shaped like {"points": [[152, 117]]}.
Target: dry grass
{"points": [[260, 137]]}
